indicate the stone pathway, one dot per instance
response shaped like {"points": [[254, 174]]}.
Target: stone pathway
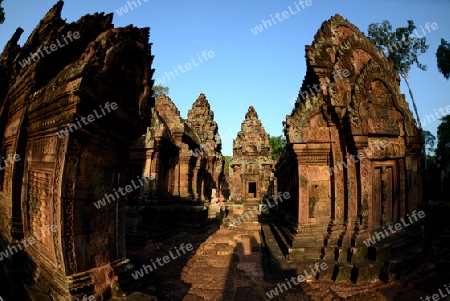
{"points": [[226, 264]]}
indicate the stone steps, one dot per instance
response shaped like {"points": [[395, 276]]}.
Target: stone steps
{"points": [[282, 243], [384, 260], [249, 208], [275, 264]]}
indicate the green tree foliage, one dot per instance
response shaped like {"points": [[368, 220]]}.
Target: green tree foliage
{"points": [[277, 143], [443, 58], [430, 140], [400, 47], [158, 90], [227, 164], [2, 13], [443, 145]]}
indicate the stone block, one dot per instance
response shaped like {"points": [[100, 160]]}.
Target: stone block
{"points": [[359, 254], [379, 253], [327, 274], [306, 254], [328, 253], [365, 272], [223, 249], [307, 241], [342, 254], [213, 211], [342, 272]]}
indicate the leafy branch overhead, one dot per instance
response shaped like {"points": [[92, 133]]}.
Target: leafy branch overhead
{"points": [[443, 58], [158, 90], [430, 140], [2, 13], [443, 137], [402, 47], [277, 143]]}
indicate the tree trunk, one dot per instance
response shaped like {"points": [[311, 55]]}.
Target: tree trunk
{"points": [[405, 77], [424, 151]]}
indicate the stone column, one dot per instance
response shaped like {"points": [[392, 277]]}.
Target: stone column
{"points": [[183, 176], [148, 168], [177, 137], [314, 204], [312, 164], [154, 170], [195, 176], [236, 182]]}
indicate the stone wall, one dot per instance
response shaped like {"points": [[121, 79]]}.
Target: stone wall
{"points": [[352, 164], [182, 157], [71, 115]]}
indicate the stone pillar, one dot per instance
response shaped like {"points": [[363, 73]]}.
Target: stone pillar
{"points": [[313, 162], [177, 137], [148, 168], [352, 188], [194, 173], [243, 186], [303, 208], [154, 170], [195, 176], [236, 183], [402, 189], [183, 176], [314, 207]]}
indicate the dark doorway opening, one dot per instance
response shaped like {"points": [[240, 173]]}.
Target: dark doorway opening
{"points": [[252, 190]]}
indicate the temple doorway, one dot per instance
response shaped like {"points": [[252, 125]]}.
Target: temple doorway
{"points": [[384, 206], [251, 193]]}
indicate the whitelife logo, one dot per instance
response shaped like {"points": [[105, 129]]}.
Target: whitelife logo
{"points": [[436, 297], [111, 198], [203, 147], [241, 218], [397, 226], [124, 9], [187, 67], [27, 242], [393, 48], [90, 118], [338, 76], [284, 15], [378, 145], [166, 259], [300, 278], [53, 47], [11, 159]]}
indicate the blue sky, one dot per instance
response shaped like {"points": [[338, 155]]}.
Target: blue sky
{"points": [[265, 70]]}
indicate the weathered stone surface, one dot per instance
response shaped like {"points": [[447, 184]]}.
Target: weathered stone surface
{"points": [[352, 143], [365, 272], [61, 174], [342, 272], [102, 77], [211, 165], [245, 271], [251, 166], [182, 157]]}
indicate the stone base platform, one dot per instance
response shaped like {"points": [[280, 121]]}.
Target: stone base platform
{"points": [[387, 260]]}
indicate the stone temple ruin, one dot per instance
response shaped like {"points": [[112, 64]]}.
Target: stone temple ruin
{"points": [[59, 178], [182, 157], [351, 166], [353, 160], [252, 161]]}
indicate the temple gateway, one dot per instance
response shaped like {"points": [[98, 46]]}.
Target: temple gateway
{"points": [[353, 159], [252, 162], [351, 165]]}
